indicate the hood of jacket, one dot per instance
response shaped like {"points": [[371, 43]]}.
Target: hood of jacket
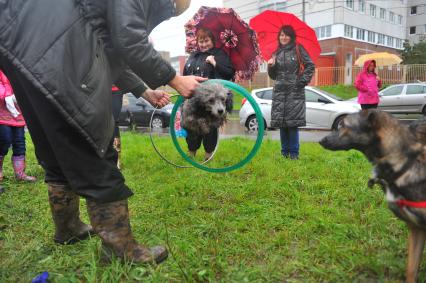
{"points": [[366, 64]]}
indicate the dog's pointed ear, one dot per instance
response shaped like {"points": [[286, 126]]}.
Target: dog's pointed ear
{"points": [[372, 117]]}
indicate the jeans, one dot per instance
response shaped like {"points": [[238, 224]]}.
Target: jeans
{"points": [[289, 141], [12, 136]]}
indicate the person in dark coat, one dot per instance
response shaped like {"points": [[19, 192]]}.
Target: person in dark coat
{"points": [[62, 57], [288, 100], [212, 63]]}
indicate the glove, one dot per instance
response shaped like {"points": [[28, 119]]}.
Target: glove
{"points": [[10, 105]]}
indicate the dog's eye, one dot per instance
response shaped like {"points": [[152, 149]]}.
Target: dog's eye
{"points": [[211, 100]]}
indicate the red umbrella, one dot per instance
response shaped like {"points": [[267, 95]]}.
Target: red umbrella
{"points": [[268, 24], [232, 34]]}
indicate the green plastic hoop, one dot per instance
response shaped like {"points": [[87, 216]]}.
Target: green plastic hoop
{"points": [[242, 91]]}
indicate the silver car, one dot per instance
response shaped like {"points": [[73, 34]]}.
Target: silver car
{"points": [[404, 99], [323, 110]]}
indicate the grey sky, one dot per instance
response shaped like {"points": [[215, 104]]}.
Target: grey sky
{"points": [[170, 35]]}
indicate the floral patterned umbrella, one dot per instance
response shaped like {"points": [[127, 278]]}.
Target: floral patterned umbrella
{"points": [[232, 34]]}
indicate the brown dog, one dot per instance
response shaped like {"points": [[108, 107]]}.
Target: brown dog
{"points": [[398, 153]]}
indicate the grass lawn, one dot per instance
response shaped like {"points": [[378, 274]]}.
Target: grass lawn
{"points": [[275, 220], [343, 91]]}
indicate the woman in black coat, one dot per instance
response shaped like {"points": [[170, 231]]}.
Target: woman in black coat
{"points": [[212, 63], [292, 69]]}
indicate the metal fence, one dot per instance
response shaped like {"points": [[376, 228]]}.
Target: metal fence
{"points": [[343, 75]]}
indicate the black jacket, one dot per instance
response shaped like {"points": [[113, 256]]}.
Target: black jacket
{"points": [[73, 50], [288, 100], [196, 65]]}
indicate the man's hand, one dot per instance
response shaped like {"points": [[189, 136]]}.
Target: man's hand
{"points": [[158, 98], [186, 85], [271, 61]]}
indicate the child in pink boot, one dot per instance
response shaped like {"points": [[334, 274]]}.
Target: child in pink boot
{"points": [[12, 131]]}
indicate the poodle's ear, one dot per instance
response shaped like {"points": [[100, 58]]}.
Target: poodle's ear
{"points": [[195, 103]]}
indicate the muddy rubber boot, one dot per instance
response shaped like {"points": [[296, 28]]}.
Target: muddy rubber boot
{"points": [[111, 223], [117, 146], [18, 163], [65, 207]]}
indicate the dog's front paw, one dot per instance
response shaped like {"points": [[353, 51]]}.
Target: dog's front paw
{"points": [[371, 182]]}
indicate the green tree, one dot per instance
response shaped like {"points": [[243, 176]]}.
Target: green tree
{"points": [[414, 54]]}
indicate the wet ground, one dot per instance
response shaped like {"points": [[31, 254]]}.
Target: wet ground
{"points": [[233, 129]]}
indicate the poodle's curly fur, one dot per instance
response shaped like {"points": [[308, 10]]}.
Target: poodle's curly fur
{"points": [[206, 109]]}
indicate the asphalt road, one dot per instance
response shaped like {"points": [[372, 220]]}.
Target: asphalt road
{"points": [[233, 129]]}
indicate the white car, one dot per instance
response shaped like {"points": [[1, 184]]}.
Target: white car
{"points": [[404, 99], [323, 110]]}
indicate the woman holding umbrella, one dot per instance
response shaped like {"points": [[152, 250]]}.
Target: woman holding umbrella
{"points": [[222, 46], [368, 84], [213, 63], [292, 69]]}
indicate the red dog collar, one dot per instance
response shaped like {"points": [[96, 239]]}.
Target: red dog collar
{"points": [[416, 204]]}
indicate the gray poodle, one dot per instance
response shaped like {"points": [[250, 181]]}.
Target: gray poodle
{"points": [[206, 109]]}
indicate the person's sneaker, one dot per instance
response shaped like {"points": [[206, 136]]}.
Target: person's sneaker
{"points": [[294, 156]]}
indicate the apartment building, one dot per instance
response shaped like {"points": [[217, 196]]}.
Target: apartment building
{"points": [[416, 20], [346, 29]]}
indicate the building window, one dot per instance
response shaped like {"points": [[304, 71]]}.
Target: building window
{"points": [[350, 4], [412, 30], [324, 31], [373, 10], [371, 36], [360, 34], [399, 19], [390, 41], [361, 6], [349, 31], [273, 5], [413, 10], [380, 38], [392, 17], [398, 43], [382, 14]]}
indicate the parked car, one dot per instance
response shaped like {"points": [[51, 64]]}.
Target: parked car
{"points": [[404, 99], [323, 110], [138, 112]]}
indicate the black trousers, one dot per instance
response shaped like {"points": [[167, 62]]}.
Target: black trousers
{"points": [[117, 104], [368, 106], [64, 154], [209, 141]]}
